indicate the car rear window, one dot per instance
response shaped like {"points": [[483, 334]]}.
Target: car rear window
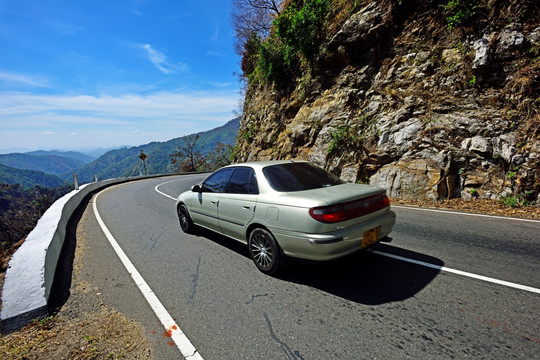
{"points": [[299, 176]]}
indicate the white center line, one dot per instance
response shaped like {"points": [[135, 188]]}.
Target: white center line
{"points": [[177, 335], [167, 182], [433, 266], [162, 193], [459, 272]]}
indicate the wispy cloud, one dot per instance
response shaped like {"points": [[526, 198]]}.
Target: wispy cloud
{"points": [[220, 85], [161, 62], [215, 35], [22, 80], [83, 120], [161, 106]]}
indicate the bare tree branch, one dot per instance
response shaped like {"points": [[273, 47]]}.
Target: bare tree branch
{"points": [[252, 17]]}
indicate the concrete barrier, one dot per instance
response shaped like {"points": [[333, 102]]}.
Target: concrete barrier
{"points": [[29, 277]]}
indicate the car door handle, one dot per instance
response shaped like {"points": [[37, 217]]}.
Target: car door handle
{"points": [[213, 202], [246, 207]]}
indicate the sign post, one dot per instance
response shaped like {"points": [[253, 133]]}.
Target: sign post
{"points": [[143, 158]]}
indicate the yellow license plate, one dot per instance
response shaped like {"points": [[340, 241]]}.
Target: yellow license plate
{"points": [[370, 237]]}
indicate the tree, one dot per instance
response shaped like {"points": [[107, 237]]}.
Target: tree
{"points": [[252, 18], [186, 158], [221, 156]]}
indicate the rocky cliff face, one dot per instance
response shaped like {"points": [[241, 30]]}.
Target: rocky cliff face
{"points": [[399, 100]]}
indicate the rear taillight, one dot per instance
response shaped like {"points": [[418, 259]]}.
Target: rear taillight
{"points": [[349, 210], [328, 214]]}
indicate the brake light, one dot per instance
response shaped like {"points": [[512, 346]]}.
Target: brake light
{"points": [[349, 210], [328, 214]]}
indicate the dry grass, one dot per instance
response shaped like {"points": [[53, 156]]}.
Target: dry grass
{"points": [[106, 334]]}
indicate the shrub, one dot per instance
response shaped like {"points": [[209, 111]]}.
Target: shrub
{"points": [[515, 201], [300, 27], [250, 55], [344, 138], [459, 11], [297, 38], [277, 62]]}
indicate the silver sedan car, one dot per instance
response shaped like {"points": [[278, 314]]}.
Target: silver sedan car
{"points": [[287, 209]]}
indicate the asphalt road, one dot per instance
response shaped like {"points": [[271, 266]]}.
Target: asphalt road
{"points": [[366, 306]]}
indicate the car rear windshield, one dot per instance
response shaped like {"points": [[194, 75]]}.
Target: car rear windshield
{"points": [[298, 176]]}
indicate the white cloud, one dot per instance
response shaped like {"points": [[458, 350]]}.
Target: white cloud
{"points": [[22, 80], [160, 61], [160, 105], [64, 121]]}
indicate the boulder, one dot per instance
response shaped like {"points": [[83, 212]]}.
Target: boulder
{"points": [[510, 39], [482, 56]]}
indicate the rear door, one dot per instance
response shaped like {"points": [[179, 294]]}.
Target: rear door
{"points": [[237, 204]]}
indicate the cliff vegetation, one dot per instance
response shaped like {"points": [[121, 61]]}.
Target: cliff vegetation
{"points": [[428, 99]]}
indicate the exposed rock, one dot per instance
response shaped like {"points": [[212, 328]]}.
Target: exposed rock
{"points": [[482, 56], [510, 39], [407, 133], [434, 114], [534, 36], [480, 144], [349, 173], [359, 31], [504, 146]]}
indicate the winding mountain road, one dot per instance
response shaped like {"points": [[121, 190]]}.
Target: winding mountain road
{"points": [[449, 286]]}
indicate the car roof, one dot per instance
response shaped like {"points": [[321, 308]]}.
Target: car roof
{"points": [[263, 164]]}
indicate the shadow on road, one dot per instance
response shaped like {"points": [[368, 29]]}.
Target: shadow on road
{"points": [[362, 277], [367, 278]]}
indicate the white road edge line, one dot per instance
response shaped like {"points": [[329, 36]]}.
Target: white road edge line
{"points": [[459, 272], [463, 213], [178, 336]]}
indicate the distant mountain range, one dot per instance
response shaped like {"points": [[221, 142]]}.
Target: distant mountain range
{"points": [[47, 168], [49, 162], [75, 155]]}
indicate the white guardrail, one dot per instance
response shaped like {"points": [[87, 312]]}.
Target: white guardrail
{"points": [[31, 270]]}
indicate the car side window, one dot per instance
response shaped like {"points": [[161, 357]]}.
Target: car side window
{"points": [[216, 182], [243, 181]]}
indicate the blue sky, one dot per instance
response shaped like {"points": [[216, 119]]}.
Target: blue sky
{"points": [[94, 73]]}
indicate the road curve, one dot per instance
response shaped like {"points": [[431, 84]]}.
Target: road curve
{"points": [[364, 306]]}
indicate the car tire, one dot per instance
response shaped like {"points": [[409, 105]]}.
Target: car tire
{"points": [[264, 251], [186, 224]]}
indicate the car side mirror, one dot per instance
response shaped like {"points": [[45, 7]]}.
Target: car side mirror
{"points": [[196, 188]]}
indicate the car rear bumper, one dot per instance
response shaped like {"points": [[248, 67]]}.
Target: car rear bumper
{"points": [[328, 246]]}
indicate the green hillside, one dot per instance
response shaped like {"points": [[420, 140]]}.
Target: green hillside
{"points": [[125, 162], [47, 163], [28, 178]]}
